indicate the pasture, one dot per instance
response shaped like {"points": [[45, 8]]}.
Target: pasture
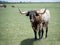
{"points": [[15, 29]]}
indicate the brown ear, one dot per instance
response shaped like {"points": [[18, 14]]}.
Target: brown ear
{"points": [[36, 13], [27, 14]]}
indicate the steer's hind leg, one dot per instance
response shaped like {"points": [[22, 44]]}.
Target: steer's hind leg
{"points": [[39, 34], [42, 32], [46, 30]]}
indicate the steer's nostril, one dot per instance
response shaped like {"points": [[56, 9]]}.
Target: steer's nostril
{"points": [[31, 20]]}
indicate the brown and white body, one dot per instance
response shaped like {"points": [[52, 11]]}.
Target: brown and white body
{"points": [[39, 19], [45, 18]]}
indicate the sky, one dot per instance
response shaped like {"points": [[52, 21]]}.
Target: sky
{"points": [[32, 0]]}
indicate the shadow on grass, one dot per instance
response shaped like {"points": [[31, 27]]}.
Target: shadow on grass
{"points": [[28, 42]]}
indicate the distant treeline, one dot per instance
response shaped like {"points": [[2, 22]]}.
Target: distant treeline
{"points": [[5, 2]]}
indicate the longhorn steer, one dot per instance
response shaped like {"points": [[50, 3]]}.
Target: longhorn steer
{"points": [[39, 19], [3, 5]]}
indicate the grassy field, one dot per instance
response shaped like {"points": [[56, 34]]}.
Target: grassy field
{"points": [[15, 29]]}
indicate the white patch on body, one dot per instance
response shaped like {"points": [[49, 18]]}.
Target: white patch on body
{"points": [[46, 15]]}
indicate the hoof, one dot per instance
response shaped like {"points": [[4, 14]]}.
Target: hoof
{"points": [[35, 38], [40, 37], [45, 36]]}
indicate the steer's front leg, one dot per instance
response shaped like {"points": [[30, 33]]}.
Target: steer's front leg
{"points": [[35, 33]]}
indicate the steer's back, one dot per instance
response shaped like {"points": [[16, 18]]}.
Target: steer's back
{"points": [[46, 15]]}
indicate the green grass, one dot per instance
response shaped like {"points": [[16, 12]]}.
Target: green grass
{"points": [[15, 29]]}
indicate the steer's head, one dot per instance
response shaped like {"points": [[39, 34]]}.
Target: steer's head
{"points": [[32, 15]]}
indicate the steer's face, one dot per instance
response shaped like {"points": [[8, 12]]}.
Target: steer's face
{"points": [[32, 15]]}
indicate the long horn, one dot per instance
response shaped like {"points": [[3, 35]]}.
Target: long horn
{"points": [[22, 12], [41, 12]]}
